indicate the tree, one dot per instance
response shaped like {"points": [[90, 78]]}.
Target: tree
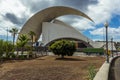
{"points": [[1, 48], [13, 31], [5, 48], [8, 47], [22, 41], [63, 48], [32, 35]]}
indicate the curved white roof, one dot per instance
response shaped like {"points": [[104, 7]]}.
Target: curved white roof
{"points": [[35, 22], [58, 30]]}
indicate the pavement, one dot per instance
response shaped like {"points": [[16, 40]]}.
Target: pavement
{"points": [[102, 74], [114, 73]]}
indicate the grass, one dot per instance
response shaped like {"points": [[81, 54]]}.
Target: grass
{"points": [[49, 68]]}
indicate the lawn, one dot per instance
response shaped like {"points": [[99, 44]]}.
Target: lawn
{"points": [[49, 68]]}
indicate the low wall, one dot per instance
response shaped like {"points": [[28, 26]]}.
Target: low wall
{"points": [[103, 72], [111, 75]]}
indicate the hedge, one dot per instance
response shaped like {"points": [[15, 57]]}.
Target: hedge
{"points": [[93, 50]]}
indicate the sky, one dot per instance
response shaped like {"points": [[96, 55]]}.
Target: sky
{"points": [[15, 13]]}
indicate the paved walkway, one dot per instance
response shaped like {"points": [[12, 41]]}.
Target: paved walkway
{"points": [[114, 73]]}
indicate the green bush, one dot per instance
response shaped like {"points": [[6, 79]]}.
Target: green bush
{"points": [[1, 48], [13, 56], [94, 50], [21, 57], [63, 48], [8, 48]]}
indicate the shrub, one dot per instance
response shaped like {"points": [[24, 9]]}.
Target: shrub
{"points": [[91, 72], [22, 41], [8, 48], [12, 56], [63, 48], [1, 48], [94, 50]]}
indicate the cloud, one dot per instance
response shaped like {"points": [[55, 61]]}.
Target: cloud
{"points": [[9, 20], [100, 12], [13, 6], [37, 5], [112, 32], [79, 4], [12, 18], [17, 12], [34, 6], [103, 10], [12, 14]]}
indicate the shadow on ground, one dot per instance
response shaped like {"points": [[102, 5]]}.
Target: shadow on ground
{"points": [[70, 59]]}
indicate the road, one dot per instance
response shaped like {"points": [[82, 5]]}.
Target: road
{"points": [[114, 73]]}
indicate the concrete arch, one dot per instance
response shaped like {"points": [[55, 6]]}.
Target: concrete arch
{"points": [[35, 22]]}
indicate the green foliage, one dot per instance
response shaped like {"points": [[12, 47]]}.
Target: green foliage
{"points": [[32, 34], [118, 49], [22, 57], [91, 72], [13, 56], [6, 47], [13, 31], [93, 50], [1, 48], [22, 41], [63, 48]]}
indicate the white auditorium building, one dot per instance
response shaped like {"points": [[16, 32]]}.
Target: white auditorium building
{"points": [[45, 23]]}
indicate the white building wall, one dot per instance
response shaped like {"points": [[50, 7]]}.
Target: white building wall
{"points": [[52, 31]]}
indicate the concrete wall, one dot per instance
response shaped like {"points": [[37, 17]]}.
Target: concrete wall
{"points": [[59, 29], [52, 31]]}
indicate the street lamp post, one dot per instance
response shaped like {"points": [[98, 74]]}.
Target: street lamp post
{"points": [[107, 55], [112, 46]]}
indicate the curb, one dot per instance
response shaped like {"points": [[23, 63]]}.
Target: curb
{"points": [[103, 72], [111, 75]]}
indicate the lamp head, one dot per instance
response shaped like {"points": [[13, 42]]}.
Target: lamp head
{"points": [[106, 24]]}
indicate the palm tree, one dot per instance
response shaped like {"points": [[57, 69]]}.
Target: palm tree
{"points": [[32, 35], [13, 31], [22, 41]]}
